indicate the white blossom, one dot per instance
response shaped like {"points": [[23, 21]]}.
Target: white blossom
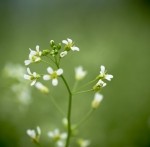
{"points": [[31, 76], [70, 45], [34, 134], [80, 73], [83, 143], [41, 87], [97, 99], [34, 56], [53, 75], [101, 83], [104, 75], [57, 137]]}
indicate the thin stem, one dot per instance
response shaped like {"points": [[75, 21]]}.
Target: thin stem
{"points": [[50, 58], [75, 85], [87, 116], [37, 143], [88, 83], [69, 111], [57, 106], [46, 62], [83, 91]]}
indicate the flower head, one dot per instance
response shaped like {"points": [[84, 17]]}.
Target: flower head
{"points": [[97, 99], [41, 87], [83, 143], [69, 45], [34, 134], [79, 73], [100, 84], [57, 137], [53, 75], [104, 75], [31, 76], [34, 56]]}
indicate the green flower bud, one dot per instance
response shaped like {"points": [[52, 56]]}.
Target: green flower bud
{"points": [[52, 43], [59, 46], [45, 52]]}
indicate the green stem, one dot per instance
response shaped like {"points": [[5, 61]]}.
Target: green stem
{"points": [[88, 83], [46, 62], [83, 91], [56, 105], [84, 118], [69, 111], [75, 85]]}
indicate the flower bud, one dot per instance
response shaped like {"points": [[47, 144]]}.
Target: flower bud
{"points": [[97, 99], [52, 43]]}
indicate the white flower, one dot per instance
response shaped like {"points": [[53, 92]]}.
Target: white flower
{"points": [[31, 76], [79, 73], [34, 56], [41, 87], [97, 99], [62, 54], [100, 84], [53, 75], [70, 45], [34, 134], [57, 137], [104, 75], [83, 143]]}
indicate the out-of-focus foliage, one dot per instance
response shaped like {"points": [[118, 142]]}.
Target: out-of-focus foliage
{"points": [[114, 33]]}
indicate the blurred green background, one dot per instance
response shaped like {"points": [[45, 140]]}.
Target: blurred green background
{"points": [[114, 33]]}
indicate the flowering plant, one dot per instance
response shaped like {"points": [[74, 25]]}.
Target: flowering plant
{"points": [[54, 55]]}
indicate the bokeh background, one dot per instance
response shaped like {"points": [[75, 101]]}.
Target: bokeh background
{"points": [[114, 33]]}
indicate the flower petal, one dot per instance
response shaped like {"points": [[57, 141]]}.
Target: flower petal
{"points": [[27, 77], [33, 82], [108, 77], [74, 48], [32, 52], [102, 69], [69, 40], [46, 77], [27, 62], [65, 42], [50, 70], [54, 82], [37, 48], [29, 72], [31, 133], [38, 130], [59, 71]]}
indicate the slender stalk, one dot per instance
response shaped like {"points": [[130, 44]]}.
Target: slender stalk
{"points": [[46, 62], [84, 118], [75, 85], [88, 83], [57, 106], [83, 91], [69, 106], [69, 111]]}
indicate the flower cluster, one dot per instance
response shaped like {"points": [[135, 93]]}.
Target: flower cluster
{"points": [[102, 76], [52, 57]]}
